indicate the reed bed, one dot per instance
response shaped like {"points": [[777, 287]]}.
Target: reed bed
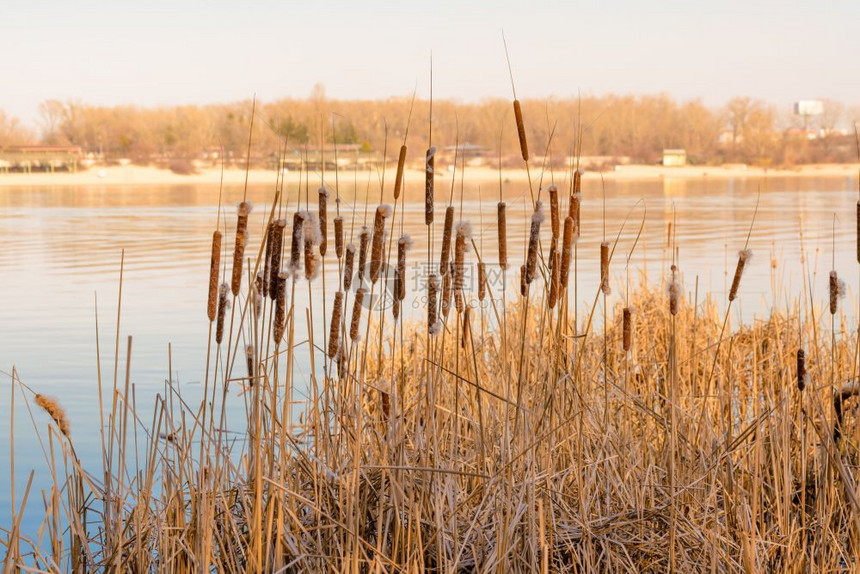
{"points": [[506, 433]]}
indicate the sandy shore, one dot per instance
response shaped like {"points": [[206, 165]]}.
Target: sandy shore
{"points": [[137, 175]]}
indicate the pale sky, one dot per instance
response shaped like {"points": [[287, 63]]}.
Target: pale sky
{"points": [[151, 52]]}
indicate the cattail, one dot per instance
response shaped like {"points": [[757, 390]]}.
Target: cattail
{"points": [[298, 236], [521, 130], [56, 412], [249, 359], [356, 314], [674, 292], [463, 233], [277, 255], [433, 323], [466, 327], [323, 218], [241, 241], [534, 240], [267, 258], [837, 291], [524, 285], [223, 305], [566, 250], [573, 211], [338, 236], [446, 290], [398, 178], [385, 404], [312, 238], [502, 223], [446, 239], [404, 244], [553, 211], [577, 182], [555, 284], [256, 298], [280, 320], [429, 175], [482, 281], [743, 256], [383, 212], [801, 370], [348, 266], [626, 328], [364, 242], [669, 234], [214, 264], [604, 268], [334, 331], [395, 300]]}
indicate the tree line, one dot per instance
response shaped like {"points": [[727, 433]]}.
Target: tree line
{"points": [[638, 128]]}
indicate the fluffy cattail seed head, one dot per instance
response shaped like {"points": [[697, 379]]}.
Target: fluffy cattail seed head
{"points": [[249, 360], [348, 265], [223, 305], [604, 268], [334, 330], [433, 323], [743, 257], [446, 291], [404, 244], [674, 292], [323, 219], [241, 240], [446, 239], [338, 236], [356, 314], [363, 245], [566, 250], [573, 211], [296, 245], [214, 265], [383, 212], [52, 407], [277, 254], [837, 291], [534, 241], [312, 238]]}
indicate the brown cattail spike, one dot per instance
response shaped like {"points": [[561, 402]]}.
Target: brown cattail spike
{"points": [[553, 211], [404, 244], [604, 268], [674, 292], [55, 411], [534, 242], [502, 223], [463, 233], [801, 370], [395, 300], [277, 256], [338, 236], [241, 241], [626, 328], [429, 183], [524, 285], [482, 281], [356, 314], [521, 130], [434, 326], [323, 220], [267, 258], [743, 257], [297, 238], [280, 320], [363, 244], [223, 305], [555, 283], [249, 360], [464, 335], [398, 178], [312, 238], [837, 291], [573, 211], [446, 239], [348, 265], [334, 331], [214, 265], [446, 291], [383, 212], [566, 250]]}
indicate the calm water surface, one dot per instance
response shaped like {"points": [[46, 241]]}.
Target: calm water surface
{"points": [[62, 247]]}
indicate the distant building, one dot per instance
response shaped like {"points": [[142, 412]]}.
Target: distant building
{"points": [[40, 158], [675, 157]]}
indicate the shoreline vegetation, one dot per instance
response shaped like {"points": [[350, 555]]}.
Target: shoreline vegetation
{"points": [[640, 431], [141, 175]]}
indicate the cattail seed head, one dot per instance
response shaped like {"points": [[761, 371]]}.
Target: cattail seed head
{"points": [[338, 236], [429, 183], [312, 238], [801, 370], [277, 254], [383, 212], [837, 291], [534, 241], [521, 130], [356, 314], [434, 325], [524, 285], [223, 305], [241, 240], [482, 280], [323, 220], [398, 178], [214, 265], [348, 265], [257, 298], [464, 335], [280, 320], [553, 211], [249, 360], [446, 239], [555, 282], [463, 233], [446, 290], [604, 268], [334, 330], [296, 245], [626, 328], [743, 257], [674, 292], [573, 211], [395, 300], [502, 224], [404, 244], [52, 407], [577, 182], [566, 250], [363, 244]]}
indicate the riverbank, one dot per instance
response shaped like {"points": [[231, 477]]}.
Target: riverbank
{"points": [[139, 175]]}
